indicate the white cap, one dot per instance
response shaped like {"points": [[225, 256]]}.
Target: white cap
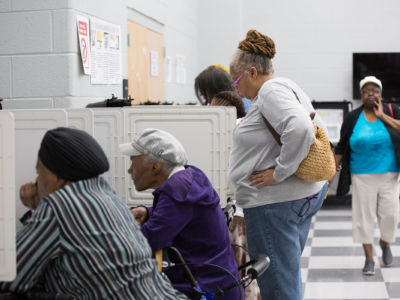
{"points": [[158, 143], [371, 79]]}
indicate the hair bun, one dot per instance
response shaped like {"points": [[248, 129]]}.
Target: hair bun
{"points": [[258, 43]]}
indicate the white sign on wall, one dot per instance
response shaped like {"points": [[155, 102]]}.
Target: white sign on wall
{"points": [[180, 69], [154, 63], [168, 69], [83, 34], [105, 45], [333, 119]]}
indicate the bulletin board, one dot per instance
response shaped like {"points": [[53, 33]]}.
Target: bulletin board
{"points": [[145, 64]]}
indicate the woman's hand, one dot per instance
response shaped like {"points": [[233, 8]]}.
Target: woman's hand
{"points": [[331, 180], [388, 120], [338, 161], [140, 214], [29, 195], [378, 110], [263, 178]]}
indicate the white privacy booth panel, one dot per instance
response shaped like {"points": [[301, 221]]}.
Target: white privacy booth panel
{"points": [[201, 130], [7, 197], [231, 125], [108, 131], [231, 122], [30, 127], [81, 118]]}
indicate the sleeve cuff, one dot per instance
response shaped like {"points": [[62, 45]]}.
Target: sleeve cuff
{"points": [[24, 219], [147, 209]]}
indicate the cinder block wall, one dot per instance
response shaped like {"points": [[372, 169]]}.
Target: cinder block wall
{"points": [[39, 53], [40, 63]]}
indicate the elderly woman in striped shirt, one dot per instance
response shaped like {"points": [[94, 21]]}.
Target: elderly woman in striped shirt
{"points": [[81, 240]]}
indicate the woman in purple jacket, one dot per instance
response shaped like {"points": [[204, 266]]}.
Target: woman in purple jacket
{"points": [[185, 213]]}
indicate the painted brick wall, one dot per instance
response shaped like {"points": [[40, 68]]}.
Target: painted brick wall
{"points": [[39, 55]]}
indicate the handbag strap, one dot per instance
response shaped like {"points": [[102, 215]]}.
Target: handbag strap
{"points": [[276, 135], [312, 115], [391, 110]]}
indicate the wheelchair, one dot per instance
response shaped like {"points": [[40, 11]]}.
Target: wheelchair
{"points": [[256, 267]]}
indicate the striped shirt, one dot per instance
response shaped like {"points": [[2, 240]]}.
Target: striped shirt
{"points": [[83, 241]]}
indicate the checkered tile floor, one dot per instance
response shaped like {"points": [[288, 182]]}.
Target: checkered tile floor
{"points": [[332, 263]]}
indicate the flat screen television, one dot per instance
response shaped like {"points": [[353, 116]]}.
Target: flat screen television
{"points": [[384, 66]]}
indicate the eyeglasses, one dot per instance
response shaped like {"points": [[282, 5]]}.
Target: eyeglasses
{"points": [[373, 91], [236, 82]]}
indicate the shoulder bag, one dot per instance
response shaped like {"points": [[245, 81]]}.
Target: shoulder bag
{"points": [[319, 163]]}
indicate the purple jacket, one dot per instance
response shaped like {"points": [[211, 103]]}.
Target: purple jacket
{"points": [[186, 215]]}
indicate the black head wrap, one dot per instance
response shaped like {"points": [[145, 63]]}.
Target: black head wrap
{"points": [[72, 154]]}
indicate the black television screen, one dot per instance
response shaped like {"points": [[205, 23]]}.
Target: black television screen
{"points": [[384, 66]]}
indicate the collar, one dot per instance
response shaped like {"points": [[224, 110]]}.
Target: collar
{"points": [[175, 170]]}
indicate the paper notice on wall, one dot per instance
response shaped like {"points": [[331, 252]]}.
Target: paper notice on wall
{"points": [[154, 63], [105, 45], [180, 69], [168, 63], [83, 34], [333, 119]]}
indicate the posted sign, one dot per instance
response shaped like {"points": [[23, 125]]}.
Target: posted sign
{"points": [[105, 52], [83, 34]]}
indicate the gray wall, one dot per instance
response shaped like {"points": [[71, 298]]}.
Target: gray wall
{"points": [[40, 63], [314, 39]]}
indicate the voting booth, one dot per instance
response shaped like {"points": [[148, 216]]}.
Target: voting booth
{"points": [[7, 203], [205, 132]]}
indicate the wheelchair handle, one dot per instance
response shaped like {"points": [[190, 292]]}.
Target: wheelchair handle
{"points": [[260, 265]]}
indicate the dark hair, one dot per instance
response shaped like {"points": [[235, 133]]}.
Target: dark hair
{"points": [[211, 81], [228, 98]]}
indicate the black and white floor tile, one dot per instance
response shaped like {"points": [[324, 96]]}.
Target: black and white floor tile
{"points": [[332, 263]]}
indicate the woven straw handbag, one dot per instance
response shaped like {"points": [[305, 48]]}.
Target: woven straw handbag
{"points": [[319, 163]]}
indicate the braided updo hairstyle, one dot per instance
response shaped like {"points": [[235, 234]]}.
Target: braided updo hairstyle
{"points": [[256, 50]]}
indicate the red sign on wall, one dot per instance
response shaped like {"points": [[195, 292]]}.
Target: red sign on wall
{"points": [[83, 32], [83, 28]]}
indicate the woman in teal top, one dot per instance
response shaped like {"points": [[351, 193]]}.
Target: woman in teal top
{"points": [[369, 152], [372, 150]]}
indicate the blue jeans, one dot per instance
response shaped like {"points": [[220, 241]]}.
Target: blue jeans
{"points": [[280, 231]]}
